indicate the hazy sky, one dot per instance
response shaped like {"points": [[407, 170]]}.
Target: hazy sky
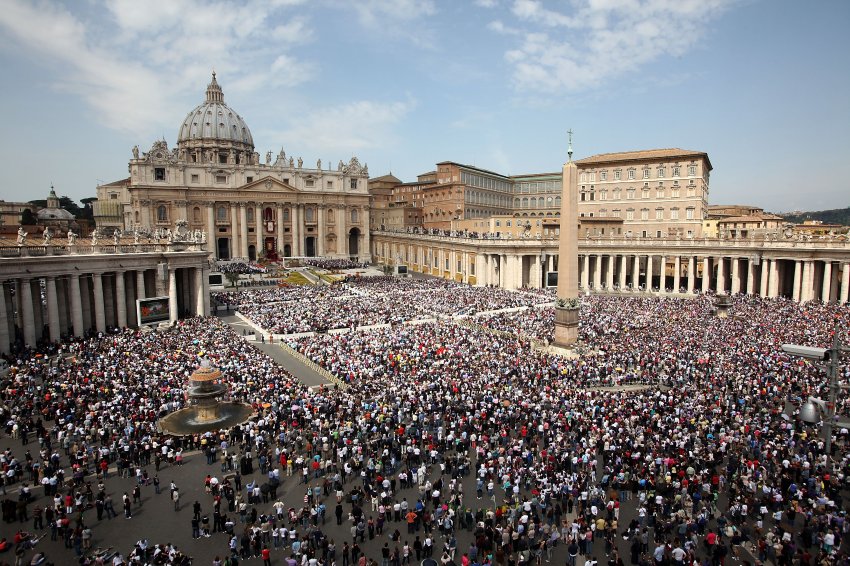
{"points": [[762, 86]]}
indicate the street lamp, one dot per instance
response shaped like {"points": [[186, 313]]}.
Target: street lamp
{"points": [[815, 409]]}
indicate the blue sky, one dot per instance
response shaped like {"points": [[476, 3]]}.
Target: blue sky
{"points": [[761, 85]]}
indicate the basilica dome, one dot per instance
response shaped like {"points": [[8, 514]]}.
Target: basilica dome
{"points": [[214, 122]]}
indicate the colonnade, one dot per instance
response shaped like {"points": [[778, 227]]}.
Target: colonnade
{"points": [[48, 298], [768, 269]]}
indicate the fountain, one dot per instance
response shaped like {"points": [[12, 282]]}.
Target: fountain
{"points": [[206, 411]]}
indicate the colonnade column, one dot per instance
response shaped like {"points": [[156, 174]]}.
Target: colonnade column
{"points": [[806, 287], [4, 322], [624, 266], [609, 274], [53, 310], [172, 294], [706, 274], [200, 297], [295, 221], [721, 275], [751, 276], [662, 275], [649, 269], [677, 274], [26, 312], [692, 274], [774, 278], [765, 277], [120, 299], [636, 272], [585, 272], [795, 292], [736, 276], [845, 283], [99, 312], [243, 230], [76, 306], [826, 287], [597, 273]]}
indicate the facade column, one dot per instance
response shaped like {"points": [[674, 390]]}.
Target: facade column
{"points": [[234, 231], [751, 276], [212, 241], [677, 274], [279, 221], [798, 274], [367, 236], [736, 276], [172, 294], [342, 227], [624, 267], [243, 230], [53, 310], [636, 273], [27, 314], [764, 289], [585, 272], [692, 274], [845, 283], [826, 288], [649, 270], [597, 273], [295, 221], [260, 224], [320, 237], [99, 306], [120, 299], [706, 274]]}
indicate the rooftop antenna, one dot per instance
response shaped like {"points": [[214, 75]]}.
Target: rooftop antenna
{"points": [[570, 146]]}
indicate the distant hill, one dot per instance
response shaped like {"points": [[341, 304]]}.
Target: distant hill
{"points": [[835, 216]]}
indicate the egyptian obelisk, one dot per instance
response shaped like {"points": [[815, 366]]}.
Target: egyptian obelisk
{"points": [[566, 310]]}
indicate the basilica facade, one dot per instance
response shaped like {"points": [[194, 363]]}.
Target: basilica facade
{"points": [[248, 207]]}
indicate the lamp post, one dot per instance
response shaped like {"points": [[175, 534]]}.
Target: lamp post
{"points": [[816, 408]]}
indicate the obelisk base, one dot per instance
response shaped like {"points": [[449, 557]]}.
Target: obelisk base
{"points": [[566, 327]]}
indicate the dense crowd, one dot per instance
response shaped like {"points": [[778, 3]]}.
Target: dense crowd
{"points": [[706, 461], [368, 301], [239, 266], [335, 264]]}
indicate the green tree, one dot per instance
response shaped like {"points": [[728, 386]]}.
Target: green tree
{"points": [[232, 278], [28, 218]]}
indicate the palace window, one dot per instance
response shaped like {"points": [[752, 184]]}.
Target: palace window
{"points": [[161, 213], [644, 193], [692, 170], [221, 179], [646, 173], [196, 178], [250, 214], [644, 214], [617, 175], [661, 172], [630, 214], [222, 213], [309, 182], [689, 213], [659, 214], [631, 174], [674, 214], [354, 218], [603, 176], [196, 214], [159, 174], [676, 171], [308, 214], [353, 183], [286, 215], [630, 194]]}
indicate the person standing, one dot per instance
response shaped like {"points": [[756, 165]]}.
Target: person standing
{"points": [[175, 497], [128, 513]]}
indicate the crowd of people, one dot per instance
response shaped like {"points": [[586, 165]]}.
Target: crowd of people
{"points": [[239, 266], [334, 264], [447, 433]]}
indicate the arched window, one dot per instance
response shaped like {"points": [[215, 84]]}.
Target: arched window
{"points": [[222, 213], [250, 214], [268, 214], [558, 202], [286, 215], [354, 216], [161, 213], [525, 202], [308, 214], [196, 214]]}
